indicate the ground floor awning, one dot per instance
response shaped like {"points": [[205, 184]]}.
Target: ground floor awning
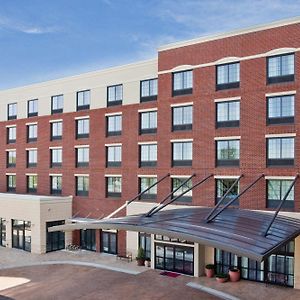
{"points": [[241, 232]]}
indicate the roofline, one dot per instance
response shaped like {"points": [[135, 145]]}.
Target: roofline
{"points": [[223, 35], [82, 75]]}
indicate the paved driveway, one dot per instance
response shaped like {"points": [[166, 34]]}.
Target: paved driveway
{"points": [[80, 282]]}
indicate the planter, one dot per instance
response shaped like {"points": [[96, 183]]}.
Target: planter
{"points": [[147, 263], [140, 262], [234, 275], [221, 279], [209, 272]]}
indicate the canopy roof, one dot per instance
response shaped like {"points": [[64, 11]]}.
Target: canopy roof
{"points": [[238, 231]]}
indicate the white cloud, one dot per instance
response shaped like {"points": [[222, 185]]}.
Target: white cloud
{"points": [[9, 24]]}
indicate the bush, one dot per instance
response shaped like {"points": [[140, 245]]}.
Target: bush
{"points": [[141, 254], [210, 266], [222, 275], [233, 269]]}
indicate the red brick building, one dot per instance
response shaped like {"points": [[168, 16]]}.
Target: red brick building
{"points": [[224, 105]]}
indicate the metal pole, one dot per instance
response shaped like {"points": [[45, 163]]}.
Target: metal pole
{"points": [[235, 198], [281, 204], [223, 197], [174, 199], [170, 194]]}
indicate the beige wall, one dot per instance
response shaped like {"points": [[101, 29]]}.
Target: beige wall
{"points": [[97, 82], [36, 209]]}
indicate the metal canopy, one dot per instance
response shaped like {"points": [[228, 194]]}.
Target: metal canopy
{"points": [[238, 231]]}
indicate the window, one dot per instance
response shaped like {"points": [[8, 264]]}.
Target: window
{"points": [[222, 186], [2, 232], [281, 68], [31, 183], [176, 182], [182, 153], [182, 83], [56, 184], [281, 109], [228, 76], [11, 158], [114, 95], [88, 239], [145, 183], [56, 157], [82, 185], [82, 128], [57, 104], [280, 151], [114, 125], [83, 100], [31, 158], [228, 153], [145, 243], [277, 190], [32, 108], [109, 242], [149, 90], [114, 156], [182, 117], [11, 183], [56, 130], [113, 186], [31, 133], [148, 155], [11, 134], [148, 122], [82, 155], [228, 114], [12, 111]]}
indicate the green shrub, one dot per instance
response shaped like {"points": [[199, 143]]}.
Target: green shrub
{"points": [[141, 254], [210, 266]]}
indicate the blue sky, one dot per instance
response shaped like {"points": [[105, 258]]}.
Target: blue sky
{"points": [[42, 40]]}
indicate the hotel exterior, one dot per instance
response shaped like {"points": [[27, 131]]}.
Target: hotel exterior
{"points": [[224, 105]]}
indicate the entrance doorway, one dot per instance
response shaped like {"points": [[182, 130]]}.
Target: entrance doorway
{"points": [[88, 239], [174, 258], [56, 239], [109, 242], [21, 232], [2, 232]]}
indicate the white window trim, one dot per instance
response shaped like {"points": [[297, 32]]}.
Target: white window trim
{"points": [[113, 145], [227, 99], [31, 123], [276, 135], [182, 104], [147, 110], [112, 175], [81, 117], [55, 147], [8, 174], [27, 149], [279, 177], [8, 150], [226, 138], [113, 114], [84, 175], [54, 121], [226, 176], [10, 126], [180, 176], [31, 174], [149, 176], [181, 140], [148, 143], [287, 93], [53, 174], [81, 146]]}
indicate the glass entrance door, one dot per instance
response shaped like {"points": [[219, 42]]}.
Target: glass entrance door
{"points": [[55, 240], [174, 258], [88, 239], [109, 242], [21, 231], [2, 232]]}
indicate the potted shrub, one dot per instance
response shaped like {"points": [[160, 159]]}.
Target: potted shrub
{"points": [[140, 258], [222, 277], [234, 274], [210, 270], [147, 262]]}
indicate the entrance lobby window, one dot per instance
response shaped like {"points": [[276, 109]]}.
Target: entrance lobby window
{"points": [[145, 243], [88, 239], [109, 242], [56, 239], [21, 231], [2, 232]]}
